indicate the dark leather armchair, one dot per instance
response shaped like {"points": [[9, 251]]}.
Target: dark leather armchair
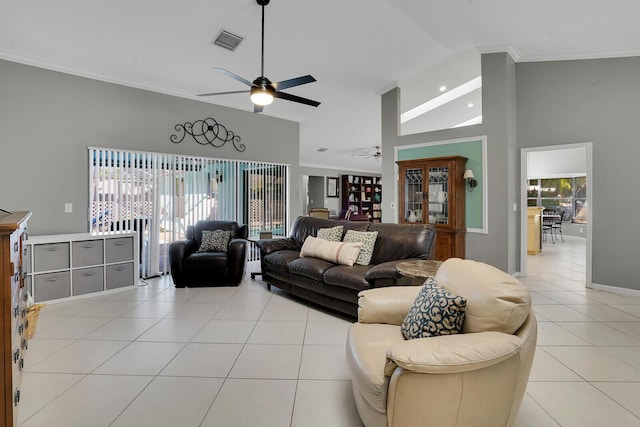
{"points": [[192, 268]]}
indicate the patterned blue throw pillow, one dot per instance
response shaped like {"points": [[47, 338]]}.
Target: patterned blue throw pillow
{"points": [[436, 311]]}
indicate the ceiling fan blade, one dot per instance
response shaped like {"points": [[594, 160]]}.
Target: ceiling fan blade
{"points": [[223, 93], [235, 76], [257, 108], [298, 81], [294, 98]]}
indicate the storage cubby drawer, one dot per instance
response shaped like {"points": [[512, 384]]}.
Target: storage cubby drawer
{"points": [[52, 286], [87, 280], [51, 256], [87, 252], [120, 275], [119, 250]]}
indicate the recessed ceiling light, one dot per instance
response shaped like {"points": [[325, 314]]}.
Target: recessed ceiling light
{"points": [[443, 88], [470, 104]]}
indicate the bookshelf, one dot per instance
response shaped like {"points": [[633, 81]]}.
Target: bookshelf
{"points": [[363, 195]]}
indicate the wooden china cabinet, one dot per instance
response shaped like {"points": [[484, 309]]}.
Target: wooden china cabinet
{"points": [[432, 191]]}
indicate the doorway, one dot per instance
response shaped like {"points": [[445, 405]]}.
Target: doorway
{"points": [[316, 192], [555, 165]]}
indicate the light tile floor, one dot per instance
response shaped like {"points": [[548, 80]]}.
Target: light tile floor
{"points": [[245, 356]]}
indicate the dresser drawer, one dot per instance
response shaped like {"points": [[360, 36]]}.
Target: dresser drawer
{"points": [[120, 275], [88, 280], [52, 286], [119, 250], [51, 256], [86, 253], [26, 260]]}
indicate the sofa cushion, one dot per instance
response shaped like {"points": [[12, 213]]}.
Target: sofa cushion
{"points": [[279, 261], [313, 268], [336, 252], [333, 234], [435, 311], [351, 277], [368, 241], [214, 241], [496, 301]]}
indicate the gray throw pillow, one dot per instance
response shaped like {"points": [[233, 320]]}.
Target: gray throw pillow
{"points": [[214, 241], [368, 241], [333, 234], [435, 311]]}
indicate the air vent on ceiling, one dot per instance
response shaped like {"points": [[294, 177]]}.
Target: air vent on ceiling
{"points": [[227, 40]]}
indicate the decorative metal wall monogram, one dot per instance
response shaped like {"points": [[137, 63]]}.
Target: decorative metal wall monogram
{"points": [[207, 131]]}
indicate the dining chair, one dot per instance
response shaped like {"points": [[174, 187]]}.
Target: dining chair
{"points": [[319, 213], [557, 223], [548, 220]]}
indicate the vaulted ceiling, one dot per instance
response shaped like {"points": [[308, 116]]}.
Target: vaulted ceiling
{"points": [[357, 50]]}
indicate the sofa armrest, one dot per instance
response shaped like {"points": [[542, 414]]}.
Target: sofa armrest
{"points": [[272, 245], [388, 305], [385, 270], [452, 353]]}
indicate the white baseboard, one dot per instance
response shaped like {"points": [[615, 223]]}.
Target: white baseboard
{"points": [[615, 289]]}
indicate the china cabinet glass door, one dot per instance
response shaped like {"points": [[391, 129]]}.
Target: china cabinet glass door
{"points": [[438, 195], [414, 195]]}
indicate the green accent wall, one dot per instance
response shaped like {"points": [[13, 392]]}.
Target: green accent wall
{"points": [[472, 150]]}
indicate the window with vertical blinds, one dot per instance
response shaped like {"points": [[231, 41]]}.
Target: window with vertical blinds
{"points": [[160, 195]]}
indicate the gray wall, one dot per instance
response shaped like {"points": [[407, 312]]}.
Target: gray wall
{"points": [[541, 104], [593, 101], [47, 119], [500, 247]]}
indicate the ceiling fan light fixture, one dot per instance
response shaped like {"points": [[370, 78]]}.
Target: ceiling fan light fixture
{"points": [[262, 95]]}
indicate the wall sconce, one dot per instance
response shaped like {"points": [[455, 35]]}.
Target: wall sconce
{"points": [[218, 177], [469, 180]]}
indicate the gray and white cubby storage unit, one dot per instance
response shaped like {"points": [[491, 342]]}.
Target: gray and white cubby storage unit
{"points": [[71, 265]]}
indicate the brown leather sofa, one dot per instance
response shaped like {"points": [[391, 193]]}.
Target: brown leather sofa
{"points": [[476, 378], [192, 268], [336, 286]]}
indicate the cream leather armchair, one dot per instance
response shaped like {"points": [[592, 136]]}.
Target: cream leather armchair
{"points": [[477, 378]]}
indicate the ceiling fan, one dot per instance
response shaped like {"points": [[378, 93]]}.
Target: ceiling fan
{"points": [[377, 155], [262, 89]]}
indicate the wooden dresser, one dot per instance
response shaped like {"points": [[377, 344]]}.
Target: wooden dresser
{"points": [[13, 300]]}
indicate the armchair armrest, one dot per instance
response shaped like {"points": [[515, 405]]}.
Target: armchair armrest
{"points": [[388, 305], [178, 250], [272, 245], [452, 353], [236, 256]]}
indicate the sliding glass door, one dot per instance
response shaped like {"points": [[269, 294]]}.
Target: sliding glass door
{"points": [[160, 195]]}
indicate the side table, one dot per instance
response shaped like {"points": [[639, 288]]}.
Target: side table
{"points": [[418, 268]]}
